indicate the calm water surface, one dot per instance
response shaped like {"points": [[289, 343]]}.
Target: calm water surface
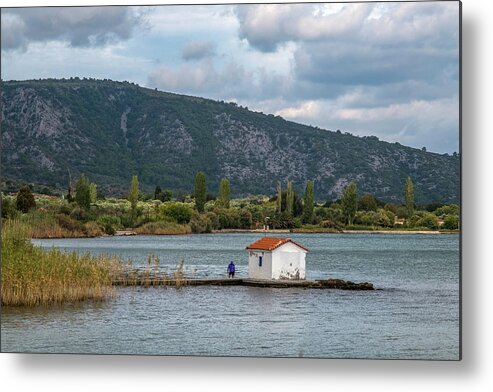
{"points": [[415, 315]]}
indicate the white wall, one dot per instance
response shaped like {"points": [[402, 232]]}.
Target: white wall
{"points": [[288, 262], [256, 272]]}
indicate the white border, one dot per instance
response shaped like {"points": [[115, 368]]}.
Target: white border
{"points": [[473, 373]]}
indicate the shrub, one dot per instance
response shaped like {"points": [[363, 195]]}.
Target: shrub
{"points": [[451, 222], [126, 220], [8, 208], [163, 227], [79, 214], [109, 223], [92, 229], [391, 207], [246, 219], [380, 218], [179, 212], [25, 200], [228, 218], [213, 219], [65, 209], [401, 212], [428, 220], [367, 203], [413, 220], [258, 217], [200, 224], [70, 224], [364, 218], [452, 209], [329, 224]]}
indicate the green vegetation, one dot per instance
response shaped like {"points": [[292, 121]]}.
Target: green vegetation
{"points": [[83, 192], [349, 202], [25, 200], [279, 197], [289, 199], [32, 276], [170, 137], [56, 217], [93, 192], [409, 197], [308, 203], [133, 195], [224, 193], [200, 191]]}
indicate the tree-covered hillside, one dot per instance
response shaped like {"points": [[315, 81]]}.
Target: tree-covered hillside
{"points": [[113, 130]]}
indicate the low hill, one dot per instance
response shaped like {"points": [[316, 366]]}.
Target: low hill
{"points": [[112, 130]]}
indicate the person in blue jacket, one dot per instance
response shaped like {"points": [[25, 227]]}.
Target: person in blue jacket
{"points": [[231, 269]]}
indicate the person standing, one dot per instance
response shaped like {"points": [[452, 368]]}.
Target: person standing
{"points": [[231, 269]]}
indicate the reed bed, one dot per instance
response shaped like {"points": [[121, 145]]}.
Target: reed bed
{"points": [[163, 228], [34, 276], [152, 275]]}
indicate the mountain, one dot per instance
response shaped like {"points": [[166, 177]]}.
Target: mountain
{"points": [[112, 130]]}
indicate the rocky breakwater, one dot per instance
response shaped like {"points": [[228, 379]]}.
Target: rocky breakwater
{"points": [[344, 284]]}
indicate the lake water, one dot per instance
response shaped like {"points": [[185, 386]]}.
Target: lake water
{"points": [[415, 315]]}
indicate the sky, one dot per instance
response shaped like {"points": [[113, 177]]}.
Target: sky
{"points": [[385, 69]]}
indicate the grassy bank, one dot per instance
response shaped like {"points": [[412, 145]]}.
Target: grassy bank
{"points": [[33, 276]]}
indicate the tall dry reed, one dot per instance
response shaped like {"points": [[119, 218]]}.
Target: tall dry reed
{"points": [[33, 276]]}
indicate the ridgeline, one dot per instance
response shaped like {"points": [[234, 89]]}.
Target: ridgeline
{"points": [[113, 130]]}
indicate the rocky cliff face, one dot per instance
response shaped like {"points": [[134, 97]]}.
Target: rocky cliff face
{"points": [[111, 130]]}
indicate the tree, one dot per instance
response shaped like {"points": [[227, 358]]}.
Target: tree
{"points": [[83, 193], [279, 197], [289, 199], [451, 222], [25, 200], [157, 192], [93, 192], [179, 212], [200, 191], [224, 193], [409, 196], [133, 196], [349, 202], [165, 195], [367, 203], [308, 203], [70, 198]]}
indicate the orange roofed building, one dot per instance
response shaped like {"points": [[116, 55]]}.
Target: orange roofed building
{"points": [[276, 258]]}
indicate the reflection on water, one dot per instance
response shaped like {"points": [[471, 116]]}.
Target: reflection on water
{"points": [[415, 315]]}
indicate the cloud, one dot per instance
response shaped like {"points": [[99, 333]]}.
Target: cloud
{"points": [[197, 50], [307, 110], [230, 81], [417, 123], [388, 69], [79, 26], [266, 26]]}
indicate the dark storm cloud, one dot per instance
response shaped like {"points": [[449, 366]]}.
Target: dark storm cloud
{"points": [[197, 50], [79, 26], [389, 73]]}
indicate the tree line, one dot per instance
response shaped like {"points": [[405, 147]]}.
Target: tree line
{"points": [[203, 212]]}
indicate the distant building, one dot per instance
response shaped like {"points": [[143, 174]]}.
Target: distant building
{"points": [[276, 258]]}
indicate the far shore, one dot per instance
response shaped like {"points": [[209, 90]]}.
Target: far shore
{"points": [[302, 231], [128, 233]]}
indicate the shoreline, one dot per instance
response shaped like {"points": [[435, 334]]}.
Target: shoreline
{"points": [[130, 233]]}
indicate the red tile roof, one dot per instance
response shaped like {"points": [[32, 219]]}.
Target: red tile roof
{"points": [[271, 243]]}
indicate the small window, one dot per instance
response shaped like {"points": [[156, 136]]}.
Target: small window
{"points": [[260, 261]]}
